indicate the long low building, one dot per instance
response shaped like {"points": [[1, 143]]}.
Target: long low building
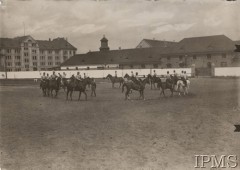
{"points": [[199, 52]]}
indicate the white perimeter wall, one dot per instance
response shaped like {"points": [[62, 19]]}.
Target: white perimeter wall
{"points": [[227, 71], [92, 73]]}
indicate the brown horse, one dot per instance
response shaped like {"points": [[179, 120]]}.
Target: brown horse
{"points": [[44, 86], [139, 85], [54, 85], [76, 85], [114, 80]]}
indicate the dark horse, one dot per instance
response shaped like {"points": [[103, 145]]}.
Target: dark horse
{"points": [[154, 79], [76, 85], [44, 86], [169, 84], [54, 84], [114, 80], [138, 85]]}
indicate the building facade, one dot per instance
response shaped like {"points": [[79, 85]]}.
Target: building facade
{"points": [[27, 54]]}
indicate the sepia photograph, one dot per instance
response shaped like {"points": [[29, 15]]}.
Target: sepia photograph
{"points": [[119, 85]]}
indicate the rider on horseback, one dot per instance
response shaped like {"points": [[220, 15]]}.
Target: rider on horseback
{"points": [[53, 76], [132, 75], [183, 78], [84, 75], [78, 77], [116, 74], [154, 73]]}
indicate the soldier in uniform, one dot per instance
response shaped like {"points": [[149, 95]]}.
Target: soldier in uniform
{"points": [[132, 75], [154, 73], [43, 78], [116, 74], [84, 75], [53, 76], [78, 76]]}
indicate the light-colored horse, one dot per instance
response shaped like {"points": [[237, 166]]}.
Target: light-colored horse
{"points": [[182, 88]]}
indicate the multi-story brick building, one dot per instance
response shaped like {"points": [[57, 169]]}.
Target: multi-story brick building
{"points": [[27, 54]]}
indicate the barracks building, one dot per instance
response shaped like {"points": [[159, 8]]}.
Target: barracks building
{"points": [[27, 54], [203, 53]]}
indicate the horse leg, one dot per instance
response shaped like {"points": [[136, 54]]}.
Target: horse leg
{"points": [[71, 94], [85, 95], [67, 94], [79, 95]]}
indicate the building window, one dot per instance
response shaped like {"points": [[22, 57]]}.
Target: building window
{"points": [[9, 64], [42, 57], [17, 57], [34, 51], [169, 65], [42, 63], [209, 56], [8, 50], [34, 63], [9, 57], [49, 63], [25, 44], [25, 54], [25, 48], [155, 65], [33, 45], [34, 57], [57, 57], [70, 52], [143, 65], [9, 69], [41, 52], [26, 66], [64, 52], [17, 51], [56, 52], [18, 69], [49, 57], [223, 64], [224, 55], [26, 60], [49, 51], [194, 57], [64, 58], [58, 63], [18, 64]]}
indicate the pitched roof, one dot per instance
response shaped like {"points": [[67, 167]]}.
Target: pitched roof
{"points": [[57, 43], [158, 43], [237, 42], [207, 44], [126, 56]]}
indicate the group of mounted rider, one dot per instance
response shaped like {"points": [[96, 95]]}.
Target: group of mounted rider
{"points": [[174, 82], [74, 83]]}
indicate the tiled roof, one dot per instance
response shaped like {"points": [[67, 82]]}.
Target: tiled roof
{"points": [[210, 44], [207, 44], [57, 43]]}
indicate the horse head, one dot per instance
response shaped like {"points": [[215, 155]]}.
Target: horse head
{"points": [[126, 75], [109, 76]]}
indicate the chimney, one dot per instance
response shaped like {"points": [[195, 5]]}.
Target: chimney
{"points": [[49, 39], [119, 48]]}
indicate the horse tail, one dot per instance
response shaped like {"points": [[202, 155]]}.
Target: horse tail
{"points": [[123, 87]]}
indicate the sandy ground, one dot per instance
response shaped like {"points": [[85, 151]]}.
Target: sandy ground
{"points": [[109, 133]]}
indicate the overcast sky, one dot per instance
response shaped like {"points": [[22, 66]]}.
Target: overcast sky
{"points": [[124, 22]]}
